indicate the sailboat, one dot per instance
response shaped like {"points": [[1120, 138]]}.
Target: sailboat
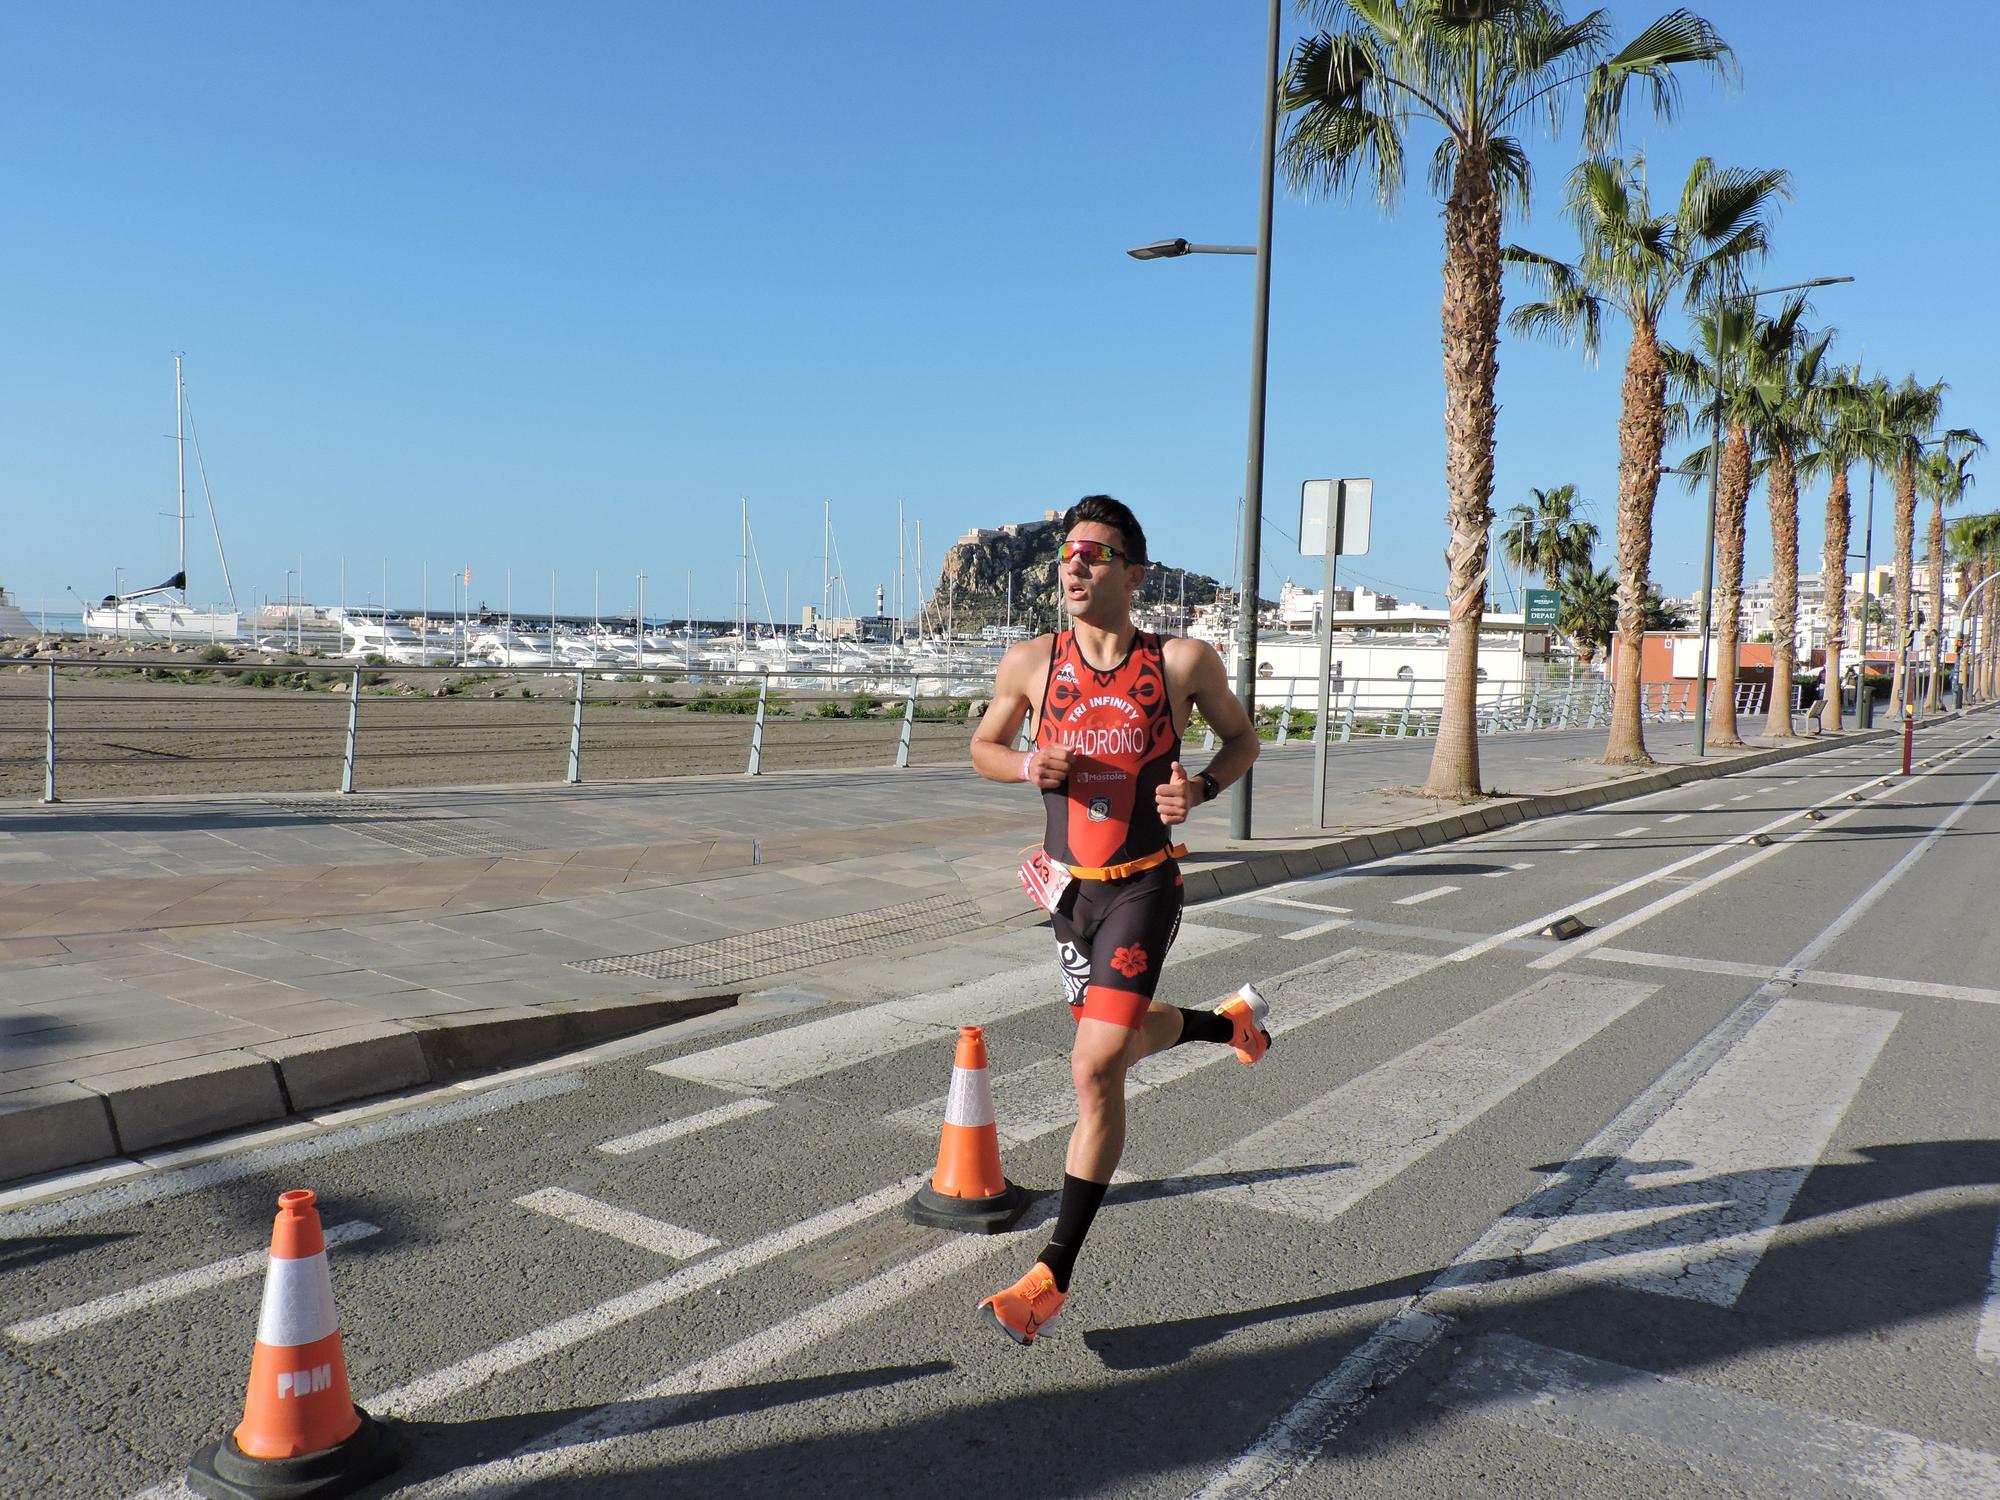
{"points": [[162, 612]]}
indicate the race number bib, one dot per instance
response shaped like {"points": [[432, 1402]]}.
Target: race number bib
{"points": [[1044, 880]]}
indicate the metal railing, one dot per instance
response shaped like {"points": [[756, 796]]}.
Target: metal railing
{"points": [[135, 727], [108, 728]]}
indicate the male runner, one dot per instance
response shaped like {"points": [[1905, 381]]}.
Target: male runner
{"points": [[1109, 704]]}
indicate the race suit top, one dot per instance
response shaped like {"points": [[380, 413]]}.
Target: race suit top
{"points": [[1119, 728]]}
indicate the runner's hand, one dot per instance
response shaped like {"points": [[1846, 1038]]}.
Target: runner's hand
{"points": [[1176, 797], [1048, 767]]}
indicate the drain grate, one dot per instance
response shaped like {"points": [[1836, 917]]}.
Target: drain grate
{"points": [[751, 955]]}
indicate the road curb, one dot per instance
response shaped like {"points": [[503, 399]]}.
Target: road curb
{"points": [[64, 1125]]}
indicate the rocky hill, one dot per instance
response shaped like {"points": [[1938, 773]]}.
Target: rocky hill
{"points": [[980, 565]]}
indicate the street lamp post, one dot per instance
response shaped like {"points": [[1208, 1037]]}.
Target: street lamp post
{"points": [[1253, 469], [1722, 301]]}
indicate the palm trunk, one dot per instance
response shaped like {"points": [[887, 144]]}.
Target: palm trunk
{"points": [[1833, 565], [1731, 500], [1906, 537], [1471, 337], [1936, 561], [1642, 433], [1782, 493]]}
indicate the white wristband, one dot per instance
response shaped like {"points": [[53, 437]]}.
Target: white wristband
{"points": [[1027, 764]]}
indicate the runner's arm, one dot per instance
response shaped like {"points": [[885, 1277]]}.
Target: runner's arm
{"points": [[1209, 691], [1014, 686]]}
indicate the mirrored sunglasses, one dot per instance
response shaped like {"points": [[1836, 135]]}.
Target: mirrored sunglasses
{"points": [[1094, 553]]}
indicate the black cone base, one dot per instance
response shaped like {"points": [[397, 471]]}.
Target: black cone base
{"points": [[992, 1215], [224, 1471]]}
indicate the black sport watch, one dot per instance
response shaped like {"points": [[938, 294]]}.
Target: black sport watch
{"points": [[1210, 787]]}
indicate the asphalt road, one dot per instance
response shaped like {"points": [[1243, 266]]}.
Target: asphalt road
{"points": [[1702, 1202]]}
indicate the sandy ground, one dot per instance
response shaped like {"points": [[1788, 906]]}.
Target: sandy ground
{"points": [[119, 733]]}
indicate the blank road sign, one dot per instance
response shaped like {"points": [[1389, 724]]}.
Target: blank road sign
{"points": [[1334, 516]]}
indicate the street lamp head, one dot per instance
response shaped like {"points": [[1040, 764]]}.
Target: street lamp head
{"points": [[1159, 250]]}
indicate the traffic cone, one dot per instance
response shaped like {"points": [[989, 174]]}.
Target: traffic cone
{"points": [[968, 1191], [301, 1433]]}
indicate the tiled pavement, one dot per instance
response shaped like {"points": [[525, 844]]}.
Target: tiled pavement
{"points": [[179, 945]]}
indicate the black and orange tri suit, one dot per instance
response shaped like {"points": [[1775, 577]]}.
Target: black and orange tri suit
{"points": [[1118, 916]]}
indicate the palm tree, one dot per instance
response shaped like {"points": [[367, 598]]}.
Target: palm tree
{"points": [[1690, 374], [1944, 480], [1974, 542], [1787, 392], [1587, 609], [1908, 411], [1546, 535], [1844, 437], [1480, 70], [1639, 263]]}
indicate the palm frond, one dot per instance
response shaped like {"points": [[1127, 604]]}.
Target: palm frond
{"points": [[1678, 37]]}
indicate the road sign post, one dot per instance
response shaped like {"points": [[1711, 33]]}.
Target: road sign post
{"points": [[1333, 518]]}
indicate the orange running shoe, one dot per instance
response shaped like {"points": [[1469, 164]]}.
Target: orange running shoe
{"points": [[1028, 1306], [1247, 1012]]}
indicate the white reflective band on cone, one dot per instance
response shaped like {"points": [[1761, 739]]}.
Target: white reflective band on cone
{"points": [[970, 1101], [298, 1303]]}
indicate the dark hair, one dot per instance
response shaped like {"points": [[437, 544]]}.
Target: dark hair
{"points": [[1108, 512]]}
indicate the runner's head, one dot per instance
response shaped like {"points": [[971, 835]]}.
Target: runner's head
{"points": [[1103, 562]]}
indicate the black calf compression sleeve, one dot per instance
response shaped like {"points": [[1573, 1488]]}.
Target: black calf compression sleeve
{"points": [[1204, 1026]]}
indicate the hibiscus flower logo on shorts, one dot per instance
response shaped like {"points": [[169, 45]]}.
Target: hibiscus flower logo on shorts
{"points": [[1131, 962]]}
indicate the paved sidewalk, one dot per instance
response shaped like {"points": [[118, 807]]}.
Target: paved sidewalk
{"points": [[172, 968]]}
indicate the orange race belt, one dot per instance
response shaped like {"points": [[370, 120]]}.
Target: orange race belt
{"points": [[1130, 867]]}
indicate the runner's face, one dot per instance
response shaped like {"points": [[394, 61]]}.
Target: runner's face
{"points": [[1098, 593]]}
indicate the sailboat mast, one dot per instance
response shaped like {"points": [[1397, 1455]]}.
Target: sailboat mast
{"points": [[180, 469], [825, 564]]}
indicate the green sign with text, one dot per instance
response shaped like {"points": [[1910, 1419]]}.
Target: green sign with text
{"points": [[1541, 606]]}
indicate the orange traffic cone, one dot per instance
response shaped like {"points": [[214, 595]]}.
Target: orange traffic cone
{"points": [[301, 1433], [968, 1190]]}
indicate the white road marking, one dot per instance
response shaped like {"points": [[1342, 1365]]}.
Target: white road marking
{"points": [[1300, 934], [1423, 896], [1677, 818], [525, 1349], [152, 1188], [1288, 901], [816, 1048], [1577, 947], [1692, 1209], [619, 1223], [1629, 833], [1511, 869], [1579, 848], [167, 1289], [1745, 797], [1987, 1346], [1373, 1127], [1688, 1425], [1714, 807], [673, 1130], [1031, 1102], [1291, 1443], [1873, 983]]}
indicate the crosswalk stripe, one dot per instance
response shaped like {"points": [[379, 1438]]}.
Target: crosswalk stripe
{"points": [[815, 1048], [1300, 934], [1633, 832], [525, 1349], [1261, 900], [1508, 870], [1677, 818], [1735, 1148], [619, 1223], [1874, 984], [167, 1289], [1685, 1424], [1423, 896], [1376, 1126], [1031, 1102], [673, 1130]]}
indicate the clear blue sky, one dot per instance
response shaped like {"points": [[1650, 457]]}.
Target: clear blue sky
{"points": [[550, 289]]}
